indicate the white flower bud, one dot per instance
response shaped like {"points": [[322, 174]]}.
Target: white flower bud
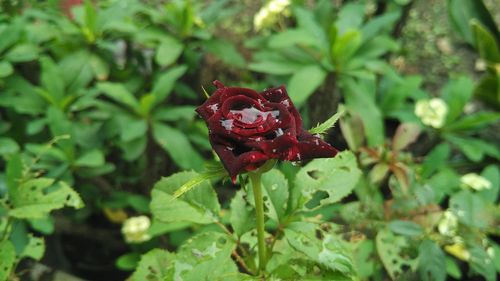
{"points": [[475, 181], [448, 224], [135, 229], [432, 112], [269, 14]]}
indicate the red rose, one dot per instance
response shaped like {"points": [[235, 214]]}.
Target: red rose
{"points": [[247, 128]]}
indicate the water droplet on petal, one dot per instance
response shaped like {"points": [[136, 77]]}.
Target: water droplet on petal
{"points": [[279, 132], [227, 124], [286, 103], [251, 114], [214, 107]]}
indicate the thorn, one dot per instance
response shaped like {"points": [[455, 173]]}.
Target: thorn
{"points": [[205, 92]]}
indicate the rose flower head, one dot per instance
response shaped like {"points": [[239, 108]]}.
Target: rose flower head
{"points": [[247, 128]]}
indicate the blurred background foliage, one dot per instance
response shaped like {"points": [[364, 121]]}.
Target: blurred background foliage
{"points": [[97, 104]]}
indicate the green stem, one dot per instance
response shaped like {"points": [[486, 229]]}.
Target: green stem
{"points": [[259, 210]]}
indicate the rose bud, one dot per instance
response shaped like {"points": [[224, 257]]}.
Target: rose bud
{"points": [[247, 128]]}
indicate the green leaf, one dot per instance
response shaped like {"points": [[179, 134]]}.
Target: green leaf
{"points": [[328, 124], [473, 148], [177, 145], [453, 269], [8, 146], [176, 113], [225, 51], [6, 69], [481, 263], [360, 98], [44, 225], [345, 46], [198, 205], [93, 158], [335, 176], [11, 34], [470, 209], [492, 174], [100, 67], [7, 259], [363, 258], [211, 172], [51, 81], [119, 93], [242, 216], [291, 37], [134, 149], [304, 82], [391, 250], [435, 159], [166, 81], [131, 127], [485, 42], [154, 266], [35, 198], [277, 67], [406, 228], [350, 17], [168, 51], [431, 262], [128, 261], [22, 53], [325, 250], [35, 248], [207, 256], [462, 11], [456, 94], [14, 173], [275, 192], [474, 121], [379, 24]]}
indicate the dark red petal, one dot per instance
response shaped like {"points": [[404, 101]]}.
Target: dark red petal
{"points": [[280, 95], [211, 105], [236, 164], [312, 147]]}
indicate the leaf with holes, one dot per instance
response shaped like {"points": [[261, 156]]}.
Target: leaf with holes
{"points": [[471, 209], [431, 262], [35, 247], [35, 198], [207, 256], [320, 247], [336, 177], [392, 250], [275, 192], [198, 205], [7, 259], [154, 266]]}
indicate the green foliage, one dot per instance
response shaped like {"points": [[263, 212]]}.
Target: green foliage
{"points": [[336, 177], [102, 97]]}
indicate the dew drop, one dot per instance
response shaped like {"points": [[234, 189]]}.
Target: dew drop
{"points": [[274, 187], [214, 107], [227, 124], [251, 115], [286, 103], [279, 132]]}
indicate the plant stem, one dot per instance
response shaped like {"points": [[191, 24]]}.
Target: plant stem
{"points": [[259, 210]]}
